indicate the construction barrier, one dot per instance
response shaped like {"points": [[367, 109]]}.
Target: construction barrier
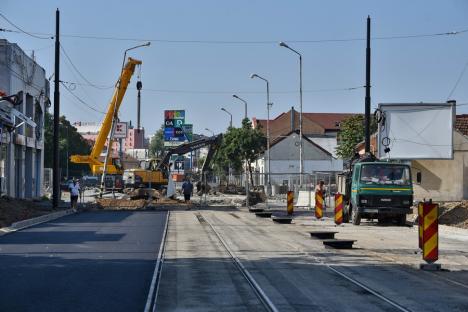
{"points": [[318, 204], [430, 235], [290, 202], [420, 222], [338, 208]]}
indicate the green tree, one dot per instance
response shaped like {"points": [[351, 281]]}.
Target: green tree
{"points": [[157, 148], [240, 145], [69, 140], [351, 133]]}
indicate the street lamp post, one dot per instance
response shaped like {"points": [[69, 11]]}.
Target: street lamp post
{"points": [[301, 164], [225, 110], [246, 177], [245, 104], [212, 132], [268, 127], [114, 119]]}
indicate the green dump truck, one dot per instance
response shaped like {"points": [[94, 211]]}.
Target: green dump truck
{"points": [[376, 190]]}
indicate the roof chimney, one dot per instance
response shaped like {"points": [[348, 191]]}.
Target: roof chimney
{"points": [[292, 118]]}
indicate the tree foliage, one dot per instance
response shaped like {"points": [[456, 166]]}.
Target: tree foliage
{"points": [[352, 132], [240, 145], [157, 148], [70, 140]]}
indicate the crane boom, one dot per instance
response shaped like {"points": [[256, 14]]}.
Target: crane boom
{"points": [[92, 159]]}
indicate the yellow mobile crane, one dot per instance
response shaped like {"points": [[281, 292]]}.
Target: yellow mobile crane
{"points": [[113, 165]]}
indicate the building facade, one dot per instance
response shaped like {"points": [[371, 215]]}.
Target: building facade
{"points": [[320, 139], [22, 143]]}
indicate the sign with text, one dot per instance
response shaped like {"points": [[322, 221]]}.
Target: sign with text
{"points": [[174, 121]]}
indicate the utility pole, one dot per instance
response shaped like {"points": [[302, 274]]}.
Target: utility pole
{"points": [[368, 99], [56, 155]]}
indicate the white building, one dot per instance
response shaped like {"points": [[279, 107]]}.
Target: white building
{"points": [[22, 144], [284, 153]]}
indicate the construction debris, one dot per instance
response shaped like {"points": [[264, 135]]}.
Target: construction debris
{"points": [[454, 213], [13, 210]]}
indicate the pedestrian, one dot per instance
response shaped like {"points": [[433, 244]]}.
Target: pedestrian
{"points": [[75, 191], [321, 187], [187, 189]]}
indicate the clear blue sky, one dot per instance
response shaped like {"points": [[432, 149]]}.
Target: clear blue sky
{"points": [[201, 78]]}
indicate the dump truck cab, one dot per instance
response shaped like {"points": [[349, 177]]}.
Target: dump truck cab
{"points": [[378, 190]]}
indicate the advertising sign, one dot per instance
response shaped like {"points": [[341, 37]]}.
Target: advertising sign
{"points": [[188, 132], [174, 122], [120, 130]]}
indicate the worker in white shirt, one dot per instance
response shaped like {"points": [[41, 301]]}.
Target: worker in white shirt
{"points": [[75, 191]]}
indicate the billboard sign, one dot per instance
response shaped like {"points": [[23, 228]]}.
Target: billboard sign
{"points": [[174, 120], [120, 130], [188, 132], [416, 131]]}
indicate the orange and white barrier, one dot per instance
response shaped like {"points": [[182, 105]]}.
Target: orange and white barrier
{"points": [[290, 202], [338, 208], [430, 232], [318, 204]]}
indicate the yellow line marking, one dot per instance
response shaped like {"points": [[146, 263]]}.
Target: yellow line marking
{"points": [[384, 189]]}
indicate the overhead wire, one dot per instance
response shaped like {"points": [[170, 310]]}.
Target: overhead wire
{"points": [[22, 30], [80, 100], [240, 42], [77, 70], [222, 92], [458, 80]]}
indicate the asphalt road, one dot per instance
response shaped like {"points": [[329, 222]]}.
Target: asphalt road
{"points": [[95, 261]]}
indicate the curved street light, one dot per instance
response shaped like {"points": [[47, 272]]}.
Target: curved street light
{"points": [[301, 165], [212, 132], [245, 103], [225, 110], [268, 122]]}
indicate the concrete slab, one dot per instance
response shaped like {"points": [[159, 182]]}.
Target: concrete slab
{"points": [[323, 234], [281, 219], [254, 209], [264, 214], [339, 243]]}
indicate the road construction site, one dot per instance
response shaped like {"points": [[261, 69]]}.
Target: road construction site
{"points": [[224, 256]]}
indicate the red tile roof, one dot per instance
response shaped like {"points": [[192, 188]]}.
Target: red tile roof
{"points": [[329, 121], [461, 124], [316, 123]]}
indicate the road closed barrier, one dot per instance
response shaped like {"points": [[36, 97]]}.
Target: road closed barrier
{"points": [[318, 204], [429, 226], [338, 208], [290, 202]]}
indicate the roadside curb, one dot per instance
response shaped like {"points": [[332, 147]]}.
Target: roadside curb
{"points": [[34, 221]]}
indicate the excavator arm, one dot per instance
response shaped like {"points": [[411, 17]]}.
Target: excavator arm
{"points": [[213, 142], [96, 165]]}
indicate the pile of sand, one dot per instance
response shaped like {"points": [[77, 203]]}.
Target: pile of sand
{"points": [[454, 213]]}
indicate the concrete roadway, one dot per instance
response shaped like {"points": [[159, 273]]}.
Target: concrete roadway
{"points": [[94, 261], [292, 268]]}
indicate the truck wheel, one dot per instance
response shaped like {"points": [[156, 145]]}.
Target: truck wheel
{"points": [[401, 220], [356, 216]]}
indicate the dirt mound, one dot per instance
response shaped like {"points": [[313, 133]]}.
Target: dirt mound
{"points": [[454, 213], [113, 203], [13, 210]]}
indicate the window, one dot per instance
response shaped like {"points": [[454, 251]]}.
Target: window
{"points": [[385, 174]]}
